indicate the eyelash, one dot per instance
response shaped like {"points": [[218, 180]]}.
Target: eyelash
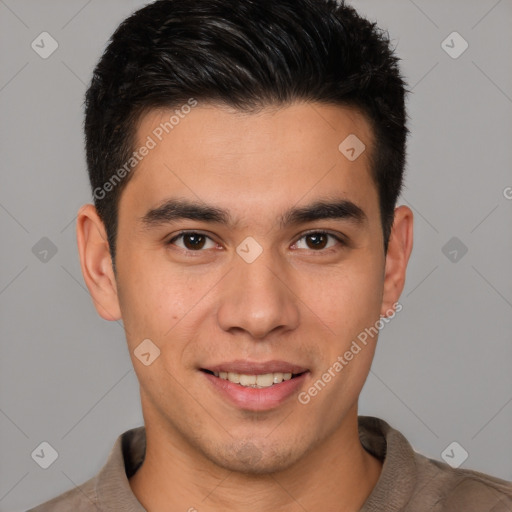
{"points": [[339, 239]]}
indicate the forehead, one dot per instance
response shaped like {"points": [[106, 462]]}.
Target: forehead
{"points": [[210, 129], [267, 158]]}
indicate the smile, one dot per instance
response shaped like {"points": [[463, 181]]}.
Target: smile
{"points": [[264, 380], [256, 386]]}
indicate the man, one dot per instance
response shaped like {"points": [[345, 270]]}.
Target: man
{"points": [[246, 158]]}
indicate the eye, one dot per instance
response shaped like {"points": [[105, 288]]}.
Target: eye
{"points": [[318, 240], [192, 241]]}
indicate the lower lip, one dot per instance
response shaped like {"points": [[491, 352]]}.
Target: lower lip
{"points": [[256, 399]]}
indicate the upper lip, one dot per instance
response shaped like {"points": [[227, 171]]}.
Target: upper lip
{"points": [[256, 368]]}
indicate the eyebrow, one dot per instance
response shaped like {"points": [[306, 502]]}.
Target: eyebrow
{"points": [[173, 210]]}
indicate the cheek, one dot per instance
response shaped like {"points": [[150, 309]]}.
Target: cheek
{"points": [[152, 301], [350, 304], [168, 307], [346, 298]]}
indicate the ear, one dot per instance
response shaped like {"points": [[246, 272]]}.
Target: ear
{"points": [[397, 257], [96, 262]]}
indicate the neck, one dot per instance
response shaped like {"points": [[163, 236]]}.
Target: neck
{"points": [[338, 475]]}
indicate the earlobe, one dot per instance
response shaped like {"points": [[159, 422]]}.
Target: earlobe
{"points": [[397, 257], [96, 262]]}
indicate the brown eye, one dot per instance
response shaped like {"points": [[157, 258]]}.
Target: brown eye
{"points": [[318, 240], [192, 241]]}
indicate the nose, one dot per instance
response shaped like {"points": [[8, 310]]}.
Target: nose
{"points": [[258, 298]]}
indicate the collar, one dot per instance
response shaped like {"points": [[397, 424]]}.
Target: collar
{"points": [[399, 469]]}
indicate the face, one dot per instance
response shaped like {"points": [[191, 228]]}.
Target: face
{"points": [[250, 252]]}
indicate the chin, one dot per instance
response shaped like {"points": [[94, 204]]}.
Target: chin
{"points": [[248, 458]]}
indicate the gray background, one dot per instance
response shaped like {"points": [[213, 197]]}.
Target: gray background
{"points": [[442, 367]]}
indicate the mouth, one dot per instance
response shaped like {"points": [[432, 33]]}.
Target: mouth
{"points": [[255, 386], [257, 381]]}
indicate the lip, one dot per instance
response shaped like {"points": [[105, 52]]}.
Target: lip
{"points": [[256, 368], [256, 399]]}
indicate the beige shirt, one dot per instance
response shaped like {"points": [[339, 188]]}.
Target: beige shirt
{"points": [[409, 482]]}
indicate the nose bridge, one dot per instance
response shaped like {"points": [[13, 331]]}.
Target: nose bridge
{"points": [[256, 299]]}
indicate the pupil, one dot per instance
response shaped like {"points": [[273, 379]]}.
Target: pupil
{"points": [[194, 241], [320, 240]]}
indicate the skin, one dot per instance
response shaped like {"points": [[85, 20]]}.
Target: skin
{"points": [[296, 302]]}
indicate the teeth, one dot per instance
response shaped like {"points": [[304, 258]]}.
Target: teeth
{"points": [[233, 377], [265, 380], [247, 380], [278, 377], [254, 381]]}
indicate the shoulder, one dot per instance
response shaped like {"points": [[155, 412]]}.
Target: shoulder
{"points": [[109, 489], [412, 482], [80, 499], [460, 489]]}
